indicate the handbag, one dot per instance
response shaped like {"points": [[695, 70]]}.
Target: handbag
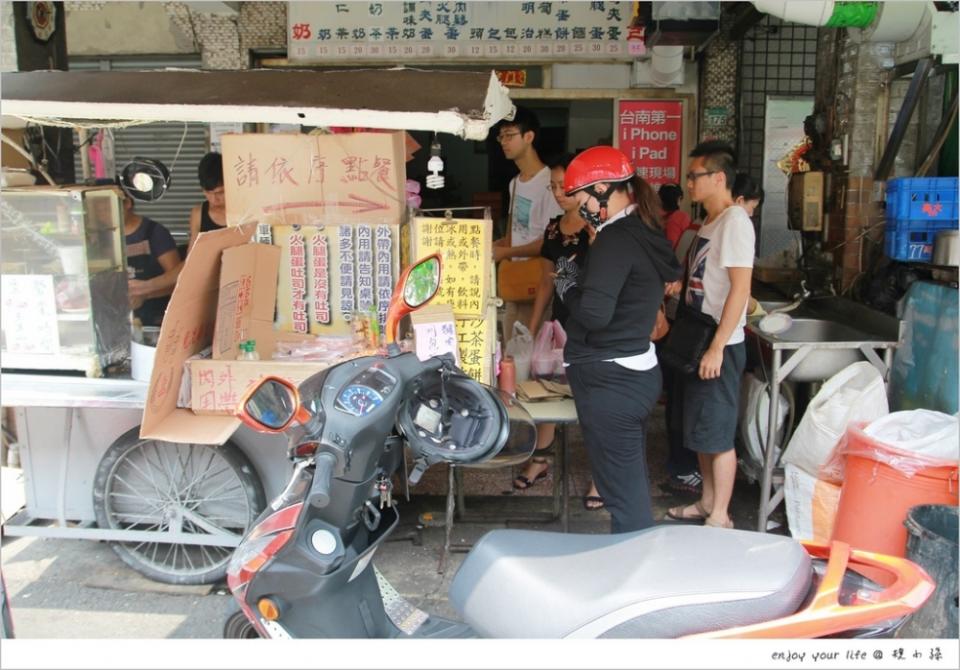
{"points": [[690, 336], [661, 327], [517, 281]]}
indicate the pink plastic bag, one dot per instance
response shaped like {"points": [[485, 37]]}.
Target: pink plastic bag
{"points": [[547, 359]]}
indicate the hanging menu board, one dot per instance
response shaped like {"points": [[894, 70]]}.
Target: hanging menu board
{"points": [[513, 31], [329, 274], [464, 246]]}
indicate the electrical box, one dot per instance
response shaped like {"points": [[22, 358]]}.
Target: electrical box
{"points": [[805, 201]]}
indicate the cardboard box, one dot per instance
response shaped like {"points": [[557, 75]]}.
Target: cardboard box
{"points": [[188, 327], [805, 201], [217, 386], [246, 301], [314, 179]]}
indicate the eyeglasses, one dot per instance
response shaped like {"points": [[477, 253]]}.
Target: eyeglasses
{"points": [[503, 137], [693, 176]]}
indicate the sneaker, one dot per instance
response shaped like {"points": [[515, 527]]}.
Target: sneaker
{"points": [[688, 484]]}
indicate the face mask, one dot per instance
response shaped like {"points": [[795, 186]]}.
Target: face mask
{"points": [[593, 218]]}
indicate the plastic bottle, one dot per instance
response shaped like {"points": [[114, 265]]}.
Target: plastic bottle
{"points": [[248, 351], [508, 376]]}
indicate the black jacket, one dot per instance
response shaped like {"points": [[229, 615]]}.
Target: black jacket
{"points": [[614, 306]]}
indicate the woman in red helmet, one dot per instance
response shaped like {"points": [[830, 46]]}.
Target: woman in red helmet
{"points": [[613, 303]]}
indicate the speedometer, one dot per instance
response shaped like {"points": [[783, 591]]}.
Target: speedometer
{"points": [[358, 400]]}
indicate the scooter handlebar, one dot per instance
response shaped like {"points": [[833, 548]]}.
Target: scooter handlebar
{"points": [[323, 473]]}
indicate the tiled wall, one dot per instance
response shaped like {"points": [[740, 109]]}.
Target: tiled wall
{"points": [[776, 58]]}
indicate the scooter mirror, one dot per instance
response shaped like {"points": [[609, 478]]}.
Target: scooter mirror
{"points": [[270, 406], [422, 282], [416, 287]]}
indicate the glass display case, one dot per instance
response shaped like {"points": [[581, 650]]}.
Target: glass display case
{"points": [[64, 281]]}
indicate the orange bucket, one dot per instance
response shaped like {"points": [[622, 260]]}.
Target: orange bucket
{"points": [[875, 499]]}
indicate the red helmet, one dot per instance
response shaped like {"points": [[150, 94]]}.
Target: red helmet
{"points": [[596, 165]]}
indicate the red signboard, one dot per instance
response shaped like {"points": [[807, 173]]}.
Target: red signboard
{"points": [[650, 133]]}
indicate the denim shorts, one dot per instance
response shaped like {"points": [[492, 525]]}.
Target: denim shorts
{"points": [[711, 406]]}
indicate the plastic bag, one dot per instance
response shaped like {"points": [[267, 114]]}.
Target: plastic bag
{"points": [[811, 505], [547, 361], [520, 347], [918, 440], [856, 393]]}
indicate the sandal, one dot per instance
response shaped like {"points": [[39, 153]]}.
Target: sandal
{"points": [[593, 503], [728, 524], [522, 483], [680, 513]]}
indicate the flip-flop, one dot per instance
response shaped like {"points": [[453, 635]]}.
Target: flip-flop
{"points": [[593, 503], [677, 513]]}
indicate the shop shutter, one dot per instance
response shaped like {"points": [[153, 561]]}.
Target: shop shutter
{"points": [[160, 141]]}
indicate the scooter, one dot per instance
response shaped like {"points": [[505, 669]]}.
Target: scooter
{"points": [[305, 569]]}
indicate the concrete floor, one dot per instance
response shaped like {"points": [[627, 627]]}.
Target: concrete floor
{"points": [[81, 589]]}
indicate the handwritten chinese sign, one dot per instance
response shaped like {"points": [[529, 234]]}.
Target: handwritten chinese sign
{"points": [[650, 133], [329, 273], [514, 31], [29, 314], [464, 248], [475, 338], [314, 179]]}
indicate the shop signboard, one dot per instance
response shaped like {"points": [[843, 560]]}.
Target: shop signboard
{"points": [[410, 31], [650, 133]]}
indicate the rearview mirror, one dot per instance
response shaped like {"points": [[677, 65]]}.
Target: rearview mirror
{"points": [[270, 406], [422, 282], [417, 286]]}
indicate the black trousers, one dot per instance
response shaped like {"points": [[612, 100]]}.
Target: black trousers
{"points": [[613, 404]]}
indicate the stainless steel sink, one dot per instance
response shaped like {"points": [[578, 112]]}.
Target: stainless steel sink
{"points": [[821, 363]]}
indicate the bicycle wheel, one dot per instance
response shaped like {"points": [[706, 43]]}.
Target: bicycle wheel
{"points": [[187, 490]]}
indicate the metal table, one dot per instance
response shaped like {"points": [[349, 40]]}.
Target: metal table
{"points": [[878, 332], [561, 412]]}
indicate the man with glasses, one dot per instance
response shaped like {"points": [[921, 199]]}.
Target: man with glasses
{"points": [[532, 204], [719, 271]]}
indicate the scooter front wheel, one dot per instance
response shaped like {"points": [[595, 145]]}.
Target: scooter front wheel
{"points": [[238, 627]]}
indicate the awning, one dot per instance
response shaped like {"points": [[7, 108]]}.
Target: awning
{"points": [[466, 104]]}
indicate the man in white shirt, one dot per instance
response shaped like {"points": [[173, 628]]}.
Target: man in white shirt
{"points": [[532, 204], [720, 269]]}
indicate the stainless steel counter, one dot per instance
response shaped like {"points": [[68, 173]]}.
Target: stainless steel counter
{"points": [[24, 390]]}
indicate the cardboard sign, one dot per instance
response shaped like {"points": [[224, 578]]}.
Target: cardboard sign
{"points": [[435, 332], [464, 248], [650, 133], [314, 179], [188, 327], [248, 289], [216, 387]]}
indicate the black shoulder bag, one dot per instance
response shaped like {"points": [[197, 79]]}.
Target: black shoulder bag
{"points": [[690, 335]]}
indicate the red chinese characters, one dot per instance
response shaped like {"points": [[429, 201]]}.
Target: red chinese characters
{"points": [[298, 282]]}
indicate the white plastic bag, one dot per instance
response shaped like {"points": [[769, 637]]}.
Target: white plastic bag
{"points": [[547, 359], [520, 347], [856, 393], [919, 431], [811, 505]]}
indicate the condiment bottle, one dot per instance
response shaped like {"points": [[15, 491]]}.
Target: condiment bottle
{"points": [[508, 376]]}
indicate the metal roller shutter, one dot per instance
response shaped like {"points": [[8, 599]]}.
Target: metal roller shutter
{"points": [[160, 141]]}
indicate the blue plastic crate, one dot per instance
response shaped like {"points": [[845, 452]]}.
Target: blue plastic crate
{"points": [[912, 241], [922, 199]]}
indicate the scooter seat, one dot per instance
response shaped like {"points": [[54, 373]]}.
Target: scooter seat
{"points": [[661, 582]]}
